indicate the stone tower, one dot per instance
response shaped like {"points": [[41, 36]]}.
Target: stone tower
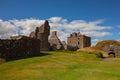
{"points": [[55, 43], [77, 41], [42, 34]]}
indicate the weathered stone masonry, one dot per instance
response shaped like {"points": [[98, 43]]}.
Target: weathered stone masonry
{"points": [[42, 34], [76, 41], [22, 46], [55, 43], [19, 47]]}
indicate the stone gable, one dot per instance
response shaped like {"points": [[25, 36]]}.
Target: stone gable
{"points": [[55, 43]]}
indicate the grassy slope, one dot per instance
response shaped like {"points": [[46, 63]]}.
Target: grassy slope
{"points": [[61, 65], [100, 44]]}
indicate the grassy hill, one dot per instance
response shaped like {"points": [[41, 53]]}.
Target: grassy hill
{"points": [[100, 44], [61, 65]]}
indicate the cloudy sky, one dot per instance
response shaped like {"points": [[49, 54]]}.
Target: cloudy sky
{"points": [[99, 19]]}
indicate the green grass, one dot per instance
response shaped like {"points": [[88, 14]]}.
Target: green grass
{"points": [[61, 65]]}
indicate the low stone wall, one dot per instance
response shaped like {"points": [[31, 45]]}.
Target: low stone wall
{"points": [[12, 49]]}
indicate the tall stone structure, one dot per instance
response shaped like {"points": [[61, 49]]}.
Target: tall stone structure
{"points": [[42, 34], [77, 40], [55, 43]]}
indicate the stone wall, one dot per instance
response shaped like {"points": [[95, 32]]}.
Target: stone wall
{"points": [[76, 41], [42, 34], [55, 43], [10, 49]]}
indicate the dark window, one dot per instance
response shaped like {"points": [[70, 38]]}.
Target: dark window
{"points": [[78, 42]]}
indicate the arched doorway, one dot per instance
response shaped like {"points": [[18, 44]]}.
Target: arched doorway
{"points": [[111, 54]]}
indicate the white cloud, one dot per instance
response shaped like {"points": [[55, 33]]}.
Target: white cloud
{"points": [[94, 41], [97, 33], [61, 25], [6, 29], [92, 28], [27, 25], [57, 20]]}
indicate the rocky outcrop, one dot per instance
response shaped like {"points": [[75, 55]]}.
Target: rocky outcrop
{"points": [[111, 47], [112, 50], [55, 43]]}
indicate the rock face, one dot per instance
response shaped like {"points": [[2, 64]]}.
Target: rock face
{"points": [[112, 50], [111, 47], [77, 41], [55, 43], [42, 34]]}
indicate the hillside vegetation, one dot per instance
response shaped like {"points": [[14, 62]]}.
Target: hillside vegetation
{"points": [[61, 65], [97, 49], [93, 50], [100, 44]]}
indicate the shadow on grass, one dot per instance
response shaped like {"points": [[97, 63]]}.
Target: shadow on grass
{"points": [[27, 56]]}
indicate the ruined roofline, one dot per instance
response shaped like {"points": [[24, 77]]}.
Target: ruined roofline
{"points": [[54, 33], [75, 34], [46, 22], [19, 37], [54, 36], [86, 36]]}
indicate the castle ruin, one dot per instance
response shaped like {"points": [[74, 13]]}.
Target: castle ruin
{"points": [[76, 41], [42, 34], [55, 43], [21, 46]]}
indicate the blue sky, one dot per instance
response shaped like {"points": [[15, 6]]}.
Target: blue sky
{"points": [[20, 16]]}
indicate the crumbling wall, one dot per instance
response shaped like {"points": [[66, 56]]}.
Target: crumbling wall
{"points": [[86, 41], [76, 41], [10, 49], [55, 43], [42, 34]]}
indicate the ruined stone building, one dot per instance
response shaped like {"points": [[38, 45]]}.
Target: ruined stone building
{"points": [[55, 43], [19, 46], [42, 34], [77, 40]]}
